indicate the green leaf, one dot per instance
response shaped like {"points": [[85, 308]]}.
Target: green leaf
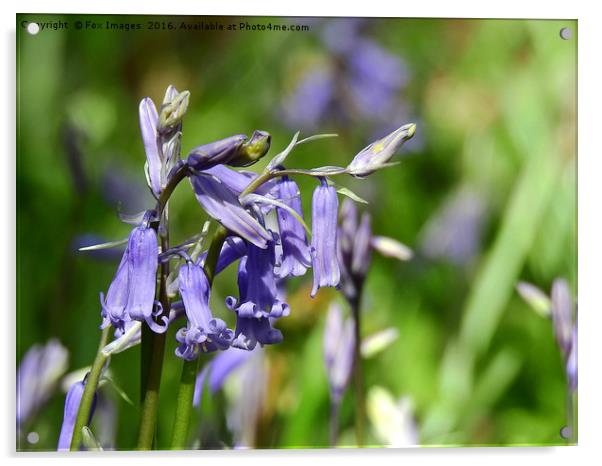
{"points": [[122, 394], [89, 440], [109, 245], [351, 195]]}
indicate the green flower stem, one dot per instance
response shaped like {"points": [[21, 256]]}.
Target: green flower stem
{"points": [[154, 366], [184, 404], [268, 175], [189, 369], [358, 376], [83, 414]]}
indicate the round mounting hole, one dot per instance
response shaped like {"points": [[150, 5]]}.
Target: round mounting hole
{"points": [[566, 33], [33, 28]]}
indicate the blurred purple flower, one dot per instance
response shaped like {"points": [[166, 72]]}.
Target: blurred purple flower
{"points": [[358, 80], [217, 371], [562, 315], [39, 372], [72, 402], [203, 333], [325, 265], [339, 342], [311, 100], [454, 231]]}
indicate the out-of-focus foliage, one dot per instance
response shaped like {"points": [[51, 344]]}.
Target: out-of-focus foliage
{"points": [[487, 198]]}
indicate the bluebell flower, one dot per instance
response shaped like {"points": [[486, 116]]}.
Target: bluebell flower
{"points": [[454, 231], [72, 402], [39, 372], [378, 154], [296, 256], [325, 264], [339, 342], [562, 316], [203, 333], [113, 306], [311, 100], [260, 298], [233, 249], [571, 362], [131, 295], [143, 252], [259, 301], [217, 371], [223, 205]]}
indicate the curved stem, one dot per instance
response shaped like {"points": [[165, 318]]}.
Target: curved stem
{"points": [[83, 414], [189, 369], [267, 176], [153, 366], [334, 422], [358, 377]]}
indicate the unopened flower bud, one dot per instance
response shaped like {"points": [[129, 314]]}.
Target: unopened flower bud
{"points": [[378, 154], [172, 112], [253, 149]]}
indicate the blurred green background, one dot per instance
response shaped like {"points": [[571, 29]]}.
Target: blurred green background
{"points": [[495, 104]]}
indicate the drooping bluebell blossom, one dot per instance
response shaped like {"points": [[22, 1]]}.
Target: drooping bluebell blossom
{"points": [[378, 154], [325, 264], [143, 252], [339, 342], [203, 333], [296, 256], [131, 295], [355, 244], [217, 371], [258, 300], [39, 372], [113, 306], [72, 402], [223, 205]]}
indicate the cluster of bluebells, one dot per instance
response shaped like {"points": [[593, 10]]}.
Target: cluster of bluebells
{"points": [[266, 257], [357, 81], [242, 203]]}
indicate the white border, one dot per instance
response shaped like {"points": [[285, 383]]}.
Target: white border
{"points": [[590, 233]]}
